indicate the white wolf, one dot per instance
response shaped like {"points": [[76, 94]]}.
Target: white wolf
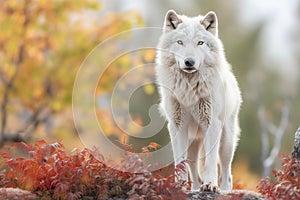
{"points": [[200, 98]]}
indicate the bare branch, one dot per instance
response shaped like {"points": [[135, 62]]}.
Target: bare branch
{"points": [[278, 136], [271, 128], [39, 116], [8, 137], [278, 132], [24, 134], [2, 77], [7, 90], [264, 133]]}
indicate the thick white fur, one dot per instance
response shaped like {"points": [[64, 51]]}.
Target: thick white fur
{"points": [[202, 105]]}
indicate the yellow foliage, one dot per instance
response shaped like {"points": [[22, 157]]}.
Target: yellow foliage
{"points": [[149, 89], [56, 106], [149, 55], [43, 46]]}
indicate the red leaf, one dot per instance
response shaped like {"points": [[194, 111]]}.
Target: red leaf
{"points": [[5, 155]]}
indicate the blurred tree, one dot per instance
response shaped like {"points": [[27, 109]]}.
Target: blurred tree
{"points": [[42, 44], [268, 157]]}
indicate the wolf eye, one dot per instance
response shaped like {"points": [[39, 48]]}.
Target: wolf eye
{"points": [[180, 42], [200, 43]]}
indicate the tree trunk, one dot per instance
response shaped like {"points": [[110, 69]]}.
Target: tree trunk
{"points": [[296, 150]]}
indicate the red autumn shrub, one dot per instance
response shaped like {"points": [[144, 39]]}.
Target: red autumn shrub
{"points": [[287, 184], [49, 171]]}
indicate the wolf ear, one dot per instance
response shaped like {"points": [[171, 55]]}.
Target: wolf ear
{"points": [[172, 20], [210, 22]]}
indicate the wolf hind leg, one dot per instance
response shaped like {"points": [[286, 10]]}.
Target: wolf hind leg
{"points": [[226, 152]]}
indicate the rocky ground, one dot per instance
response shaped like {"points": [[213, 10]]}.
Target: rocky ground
{"points": [[16, 194], [235, 195]]}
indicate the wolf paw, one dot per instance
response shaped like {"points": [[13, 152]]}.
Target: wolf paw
{"points": [[208, 187]]}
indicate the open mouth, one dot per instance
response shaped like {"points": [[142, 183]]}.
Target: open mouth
{"points": [[189, 69]]}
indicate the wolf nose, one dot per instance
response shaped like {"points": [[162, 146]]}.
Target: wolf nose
{"points": [[189, 62]]}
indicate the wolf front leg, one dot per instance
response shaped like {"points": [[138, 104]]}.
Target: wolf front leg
{"points": [[211, 148], [179, 140], [193, 158], [178, 129], [194, 153]]}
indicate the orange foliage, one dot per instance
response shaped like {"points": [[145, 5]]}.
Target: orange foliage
{"points": [[243, 178]]}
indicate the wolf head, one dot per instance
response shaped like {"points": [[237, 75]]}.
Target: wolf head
{"points": [[192, 43]]}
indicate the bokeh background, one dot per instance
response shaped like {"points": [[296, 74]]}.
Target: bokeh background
{"points": [[43, 43]]}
